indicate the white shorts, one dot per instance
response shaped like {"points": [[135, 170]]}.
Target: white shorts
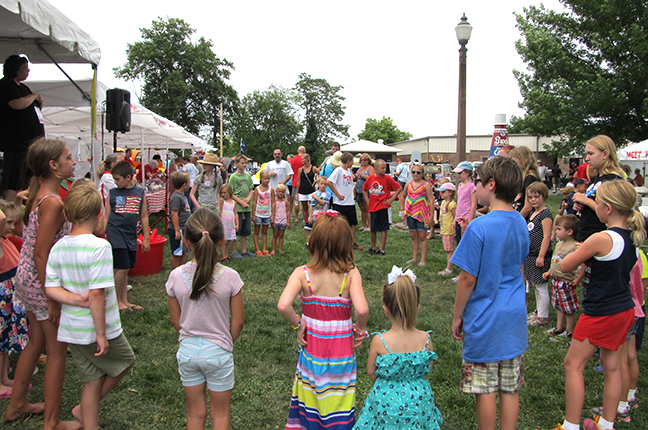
{"points": [[304, 197]]}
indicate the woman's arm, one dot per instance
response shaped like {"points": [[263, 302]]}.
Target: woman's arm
{"points": [[238, 316], [546, 241], [296, 184], [24, 102]]}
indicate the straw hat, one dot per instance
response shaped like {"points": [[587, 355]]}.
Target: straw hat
{"points": [[336, 159], [211, 159]]}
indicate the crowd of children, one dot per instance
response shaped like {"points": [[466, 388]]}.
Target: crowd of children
{"points": [[500, 255]]}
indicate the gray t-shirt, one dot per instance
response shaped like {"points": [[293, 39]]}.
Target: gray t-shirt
{"points": [[179, 202], [208, 190]]}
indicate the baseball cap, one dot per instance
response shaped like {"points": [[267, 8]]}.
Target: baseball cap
{"points": [[449, 186], [464, 165], [581, 181], [398, 159]]}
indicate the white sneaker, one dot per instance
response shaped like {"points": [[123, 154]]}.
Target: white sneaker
{"points": [[129, 287]]}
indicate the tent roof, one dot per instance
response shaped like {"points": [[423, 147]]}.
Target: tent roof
{"points": [[27, 23], [67, 114], [368, 146], [638, 151]]}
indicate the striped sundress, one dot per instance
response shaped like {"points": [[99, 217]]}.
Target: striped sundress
{"points": [[323, 394], [417, 205]]}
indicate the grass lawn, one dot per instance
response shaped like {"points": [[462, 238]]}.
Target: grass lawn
{"points": [[151, 395]]}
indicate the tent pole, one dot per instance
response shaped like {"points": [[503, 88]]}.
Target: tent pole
{"points": [[85, 95], [93, 120], [221, 130], [166, 188]]}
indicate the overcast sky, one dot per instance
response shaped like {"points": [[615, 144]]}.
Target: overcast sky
{"points": [[394, 59]]}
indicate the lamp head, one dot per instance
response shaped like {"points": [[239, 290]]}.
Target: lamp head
{"points": [[463, 30]]}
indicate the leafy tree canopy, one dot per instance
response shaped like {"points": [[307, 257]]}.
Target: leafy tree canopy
{"points": [[383, 129], [181, 80], [322, 114], [587, 72], [268, 120]]}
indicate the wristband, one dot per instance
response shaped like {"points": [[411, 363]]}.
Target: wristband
{"points": [[295, 327], [364, 333]]}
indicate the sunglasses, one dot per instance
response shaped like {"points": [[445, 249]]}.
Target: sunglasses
{"points": [[478, 181], [417, 172]]}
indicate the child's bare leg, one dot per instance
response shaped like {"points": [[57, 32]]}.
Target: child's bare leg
{"points": [[5, 382], [175, 262], [422, 239], [18, 405], [633, 365], [107, 385], [373, 240], [275, 236], [255, 237], [383, 240], [560, 321], [121, 280], [571, 322], [486, 411], [243, 244], [196, 407], [264, 237], [54, 378], [183, 259], [415, 244], [625, 372], [219, 409], [575, 362], [509, 409], [90, 398], [449, 256], [307, 234], [612, 382], [281, 237], [305, 210]]}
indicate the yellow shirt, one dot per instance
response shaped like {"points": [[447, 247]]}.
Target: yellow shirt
{"points": [[446, 218]]}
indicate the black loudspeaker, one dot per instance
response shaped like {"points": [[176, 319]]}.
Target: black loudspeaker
{"points": [[118, 113]]}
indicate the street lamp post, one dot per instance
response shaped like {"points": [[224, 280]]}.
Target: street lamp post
{"points": [[463, 30]]}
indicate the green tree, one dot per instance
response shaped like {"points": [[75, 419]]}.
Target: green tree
{"points": [[268, 120], [383, 129], [587, 72], [181, 80], [322, 114]]}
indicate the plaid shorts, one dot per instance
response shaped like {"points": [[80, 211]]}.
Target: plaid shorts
{"points": [[448, 242], [484, 378], [563, 296]]}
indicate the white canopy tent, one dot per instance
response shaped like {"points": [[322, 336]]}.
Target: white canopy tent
{"points": [[67, 116], [635, 156], [370, 147]]}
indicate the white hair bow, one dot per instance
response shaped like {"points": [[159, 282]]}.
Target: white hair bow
{"points": [[397, 271]]}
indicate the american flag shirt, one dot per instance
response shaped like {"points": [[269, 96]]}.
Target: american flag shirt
{"points": [[125, 208]]}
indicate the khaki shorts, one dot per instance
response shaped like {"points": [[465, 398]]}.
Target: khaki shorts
{"points": [[119, 357], [484, 378]]}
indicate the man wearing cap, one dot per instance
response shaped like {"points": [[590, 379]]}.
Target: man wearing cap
{"points": [[542, 169], [402, 170], [280, 170]]}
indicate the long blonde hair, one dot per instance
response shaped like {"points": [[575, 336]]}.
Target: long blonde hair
{"points": [[40, 153], [611, 163], [622, 196], [526, 161], [401, 298]]}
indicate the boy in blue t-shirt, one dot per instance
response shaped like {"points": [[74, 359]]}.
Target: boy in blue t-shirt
{"points": [[490, 310]]}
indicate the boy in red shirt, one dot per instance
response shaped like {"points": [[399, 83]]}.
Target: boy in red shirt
{"points": [[377, 191]]}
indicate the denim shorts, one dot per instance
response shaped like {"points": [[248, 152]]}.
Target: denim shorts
{"points": [[280, 226], [415, 225], [262, 221], [200, 361]]}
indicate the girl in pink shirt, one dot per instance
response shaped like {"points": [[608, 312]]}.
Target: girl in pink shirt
{"points": [[466, 199], [202, 295]]}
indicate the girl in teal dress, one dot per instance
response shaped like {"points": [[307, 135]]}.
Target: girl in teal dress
{"points": [[398, 363]]}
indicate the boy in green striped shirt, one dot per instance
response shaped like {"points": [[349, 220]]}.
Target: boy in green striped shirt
{"points": [[80, 276]]}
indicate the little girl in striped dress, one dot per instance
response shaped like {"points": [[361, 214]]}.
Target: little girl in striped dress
{"points": [[323, 395]]}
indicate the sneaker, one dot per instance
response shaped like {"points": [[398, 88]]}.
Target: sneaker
{"points": [[235, 255], [371, 251], [129, 287], [225, 260], [589, 424], [565, 335], [248, 254], [379, 252], [621, 416], [558, 427], [554, 331], [634, 403]]}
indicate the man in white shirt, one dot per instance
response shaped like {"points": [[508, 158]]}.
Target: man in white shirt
{"points": [[192, 171], [341, 184], [280, 170]]}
